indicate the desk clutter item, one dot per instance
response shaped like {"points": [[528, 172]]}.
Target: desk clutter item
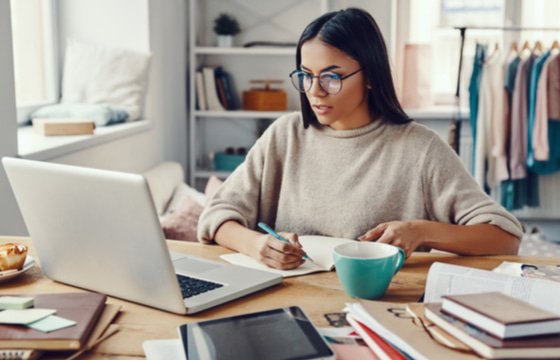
{"points": [[263, 97], [15, 302], [9, 274], [318, 248], [82, 308], [501, 315], [489, 346], [63, 126], [284, 333], [12, 256]]}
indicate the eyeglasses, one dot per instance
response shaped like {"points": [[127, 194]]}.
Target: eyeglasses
{"points": [[330, 82]]}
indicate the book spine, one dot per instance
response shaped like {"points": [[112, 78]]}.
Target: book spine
{"points": [[210, 88], [200, 95], [379, 346], [218, 75]]}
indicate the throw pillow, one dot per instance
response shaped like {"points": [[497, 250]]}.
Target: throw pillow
{"points": [[181, 223], [95, 74], [100, 114], [212, 186]]}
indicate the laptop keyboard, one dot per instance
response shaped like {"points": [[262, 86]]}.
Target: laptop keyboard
{"points": [[191, 286]]}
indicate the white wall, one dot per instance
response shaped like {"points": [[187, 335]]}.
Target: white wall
{"points": [[142, 25], [10, 218]]}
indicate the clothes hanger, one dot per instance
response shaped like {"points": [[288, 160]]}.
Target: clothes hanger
{"points": [[538, 48], [555, 47], [514, 48]]}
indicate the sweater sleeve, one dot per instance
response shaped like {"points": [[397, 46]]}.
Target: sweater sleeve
{"points": [[453, 196], [238, 197]]}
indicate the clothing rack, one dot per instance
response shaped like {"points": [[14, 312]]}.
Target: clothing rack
{"points": [[463, 34]]}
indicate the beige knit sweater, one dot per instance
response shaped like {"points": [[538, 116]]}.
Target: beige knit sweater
{"points": [[343, 183]]}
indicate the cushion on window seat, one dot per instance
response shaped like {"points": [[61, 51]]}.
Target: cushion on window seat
{"points": [[98, 113]]}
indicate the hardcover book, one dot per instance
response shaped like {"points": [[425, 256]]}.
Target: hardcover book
{"points": [[63, 126], [501, 315], [489, 346], [84, 308]]}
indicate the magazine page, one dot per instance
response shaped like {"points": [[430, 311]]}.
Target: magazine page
{"points": [[532, 271], [444, 279]]}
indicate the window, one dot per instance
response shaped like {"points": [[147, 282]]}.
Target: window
{"points": [[35, 67], [433, 22]]}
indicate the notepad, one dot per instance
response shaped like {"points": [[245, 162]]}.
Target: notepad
{"points": [[319, 248]]}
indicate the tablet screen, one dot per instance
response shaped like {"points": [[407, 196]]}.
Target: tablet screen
{"points": [[275, 334]]}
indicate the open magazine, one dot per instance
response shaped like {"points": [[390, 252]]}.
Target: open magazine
{"points": [[533, 271], [444, 279]]}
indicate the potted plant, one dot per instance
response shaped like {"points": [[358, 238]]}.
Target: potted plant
{"points": [[226, 26]]}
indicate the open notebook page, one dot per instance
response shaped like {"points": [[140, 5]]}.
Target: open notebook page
{"points": [[318, 248]]}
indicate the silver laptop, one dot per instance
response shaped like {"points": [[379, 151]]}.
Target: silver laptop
{"points": [[99, 230]]}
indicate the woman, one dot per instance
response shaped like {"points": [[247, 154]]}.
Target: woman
{"points": [[352, 164]]}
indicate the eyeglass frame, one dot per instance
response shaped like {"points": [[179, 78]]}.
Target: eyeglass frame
{"points": [[319, 77]]}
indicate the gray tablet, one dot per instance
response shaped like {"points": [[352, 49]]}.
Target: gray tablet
{"points": [[284, 333]]}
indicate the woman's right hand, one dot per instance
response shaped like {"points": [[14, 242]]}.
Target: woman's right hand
{"points": [[278, 254]]}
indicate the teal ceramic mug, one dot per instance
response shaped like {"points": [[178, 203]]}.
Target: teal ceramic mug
{"points": [[366, 269]]}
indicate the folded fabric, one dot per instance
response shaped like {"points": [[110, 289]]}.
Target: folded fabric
{"points": [[99, 113]]}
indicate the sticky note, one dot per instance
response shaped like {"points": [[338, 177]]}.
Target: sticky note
{"points": [[15, 302], [24, 317], [51, 323]]}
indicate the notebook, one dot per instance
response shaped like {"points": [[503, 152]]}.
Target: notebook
{"points": [[318, 248], [84, 308], [108, 217]]}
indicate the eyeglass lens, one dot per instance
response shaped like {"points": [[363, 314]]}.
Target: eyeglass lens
{"points": [[329, 82]]}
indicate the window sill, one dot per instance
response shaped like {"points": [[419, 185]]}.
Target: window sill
{"points": [[438, 112], [32, 145]]}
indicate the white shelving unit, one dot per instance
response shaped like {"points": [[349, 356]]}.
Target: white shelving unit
{"points": [[211, 131]]}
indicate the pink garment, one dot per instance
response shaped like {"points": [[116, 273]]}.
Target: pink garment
{"points": [[554, 89], [540, 128], [518, 136]]}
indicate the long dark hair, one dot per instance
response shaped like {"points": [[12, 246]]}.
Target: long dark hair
{"points": [[355, 32]]}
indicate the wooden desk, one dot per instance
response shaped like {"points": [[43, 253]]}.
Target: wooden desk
{"points": [[316, 294]]}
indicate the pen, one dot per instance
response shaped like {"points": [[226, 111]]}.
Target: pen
{"points": [[269, 230]]}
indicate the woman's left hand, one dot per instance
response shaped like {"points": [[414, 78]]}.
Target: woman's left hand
{"points": [[407, 235]]}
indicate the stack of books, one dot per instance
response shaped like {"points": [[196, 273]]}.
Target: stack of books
{"points": [[498, 326], [490, 324], [92, 317]]}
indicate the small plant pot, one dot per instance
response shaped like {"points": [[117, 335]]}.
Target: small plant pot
{"points": [[225, 40]]}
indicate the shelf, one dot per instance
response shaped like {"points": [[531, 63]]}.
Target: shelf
{"points": [[32, 145], [242, 114], [261, 50], [205, 174], [437, 112]]}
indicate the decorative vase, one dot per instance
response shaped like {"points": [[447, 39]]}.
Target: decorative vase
{"points": [[225, 40]]}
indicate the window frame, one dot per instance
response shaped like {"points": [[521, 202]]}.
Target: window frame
{"points": [[512, 13], [50, 62]]}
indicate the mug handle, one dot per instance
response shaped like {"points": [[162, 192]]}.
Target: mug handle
{"points": [[400, 260]]}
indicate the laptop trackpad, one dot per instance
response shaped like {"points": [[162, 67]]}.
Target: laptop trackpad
{"points": [[189, 265]]}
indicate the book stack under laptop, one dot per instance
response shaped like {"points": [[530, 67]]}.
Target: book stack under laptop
{"points": [[496, 326], [92, 319]]}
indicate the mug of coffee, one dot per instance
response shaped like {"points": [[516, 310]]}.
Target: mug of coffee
{"points": [[366, 269]]}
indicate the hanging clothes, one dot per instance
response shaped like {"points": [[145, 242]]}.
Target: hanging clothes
{"points": [[533, 86], [519, 112], [518, 192], [490, 160], [540, 127], [474, 84]]}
